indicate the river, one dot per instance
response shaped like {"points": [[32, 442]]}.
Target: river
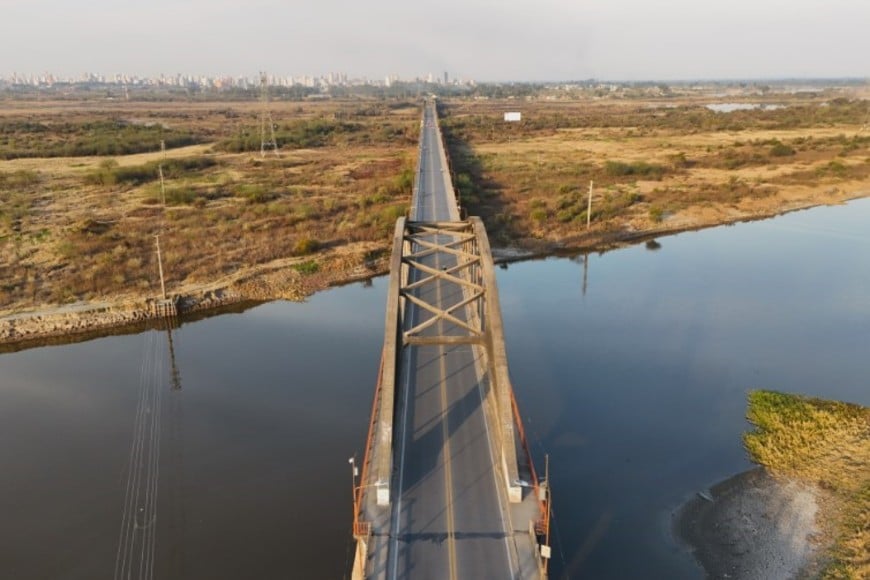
{"points": [[631, 369]]}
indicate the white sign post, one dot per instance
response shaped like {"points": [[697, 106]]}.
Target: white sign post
{"points": [[513, 117]]}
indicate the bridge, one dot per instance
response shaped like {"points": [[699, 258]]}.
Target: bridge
{"points": [[447, 488]]}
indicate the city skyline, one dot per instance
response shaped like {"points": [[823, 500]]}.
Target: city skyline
{"points": [[506, 41], [344, 79], [331, 79]]}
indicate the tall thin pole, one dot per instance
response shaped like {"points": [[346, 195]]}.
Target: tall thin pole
{"points": [[353, 474], [160, 266], [589, 208], [160, 171], [549, 506], [547, 467], [162, 186]]}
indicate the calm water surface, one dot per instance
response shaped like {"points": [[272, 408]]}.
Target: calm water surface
{"points": [[635, 387]]}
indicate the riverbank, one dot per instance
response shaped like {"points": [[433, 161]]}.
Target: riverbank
{"points": [[234, 227], [289, 279], [691, 219], [298, 277], [805, 513]]}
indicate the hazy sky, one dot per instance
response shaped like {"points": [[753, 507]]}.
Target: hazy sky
{"points": [[481, 39]]}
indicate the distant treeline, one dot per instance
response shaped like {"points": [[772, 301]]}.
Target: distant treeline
{"points": [[682, 118], [312, 133]]}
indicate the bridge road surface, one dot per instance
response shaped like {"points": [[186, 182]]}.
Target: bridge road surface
{"points": [[450, 516]]}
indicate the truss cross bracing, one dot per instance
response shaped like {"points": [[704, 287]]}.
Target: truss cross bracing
{"points": [[459, 275]]}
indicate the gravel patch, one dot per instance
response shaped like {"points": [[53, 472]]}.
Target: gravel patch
{"points": [[754, 526]]}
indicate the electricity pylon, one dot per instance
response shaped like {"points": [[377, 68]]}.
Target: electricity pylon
{"points": [[266, 118]]}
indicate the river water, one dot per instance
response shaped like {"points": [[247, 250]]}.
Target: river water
{"points": [[631, 369]]}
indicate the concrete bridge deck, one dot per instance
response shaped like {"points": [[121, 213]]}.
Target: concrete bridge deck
{"points": [[447, 490]]}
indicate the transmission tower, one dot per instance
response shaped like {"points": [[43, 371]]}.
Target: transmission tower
{"points": [[266, 118]]}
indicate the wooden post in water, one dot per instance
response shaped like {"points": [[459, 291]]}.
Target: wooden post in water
{"points": [[589, 208]]}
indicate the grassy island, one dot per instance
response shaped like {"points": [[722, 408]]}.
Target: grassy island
{"points": [[826, 444]]}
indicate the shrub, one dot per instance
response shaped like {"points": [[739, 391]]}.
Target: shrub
{"points": [[833, 168], [638, 168], [392, 213], [255, 193], [109, 173], [405, 181], [781, 150], [306, 246], [308, 267], [539, 215], [680, 161], [180, 196], [465, 184], [566, 215]]}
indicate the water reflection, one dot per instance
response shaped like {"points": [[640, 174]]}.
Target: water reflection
{"points": [[584, 258], [585, 273], [175, 374], [137, 553], [637, 390], [137, 543]]}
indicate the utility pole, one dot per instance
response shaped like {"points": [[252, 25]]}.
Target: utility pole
{"points": [[160, 172], [354, 472], [162, 185], [160, 266], [589, 208], [266, 118], [547, 470]]}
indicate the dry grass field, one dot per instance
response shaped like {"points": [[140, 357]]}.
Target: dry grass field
{"points": [[656, 165], [81, 228], [81, 201]]}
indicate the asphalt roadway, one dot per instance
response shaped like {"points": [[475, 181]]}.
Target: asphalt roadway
{"points": [[450, 517]]}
